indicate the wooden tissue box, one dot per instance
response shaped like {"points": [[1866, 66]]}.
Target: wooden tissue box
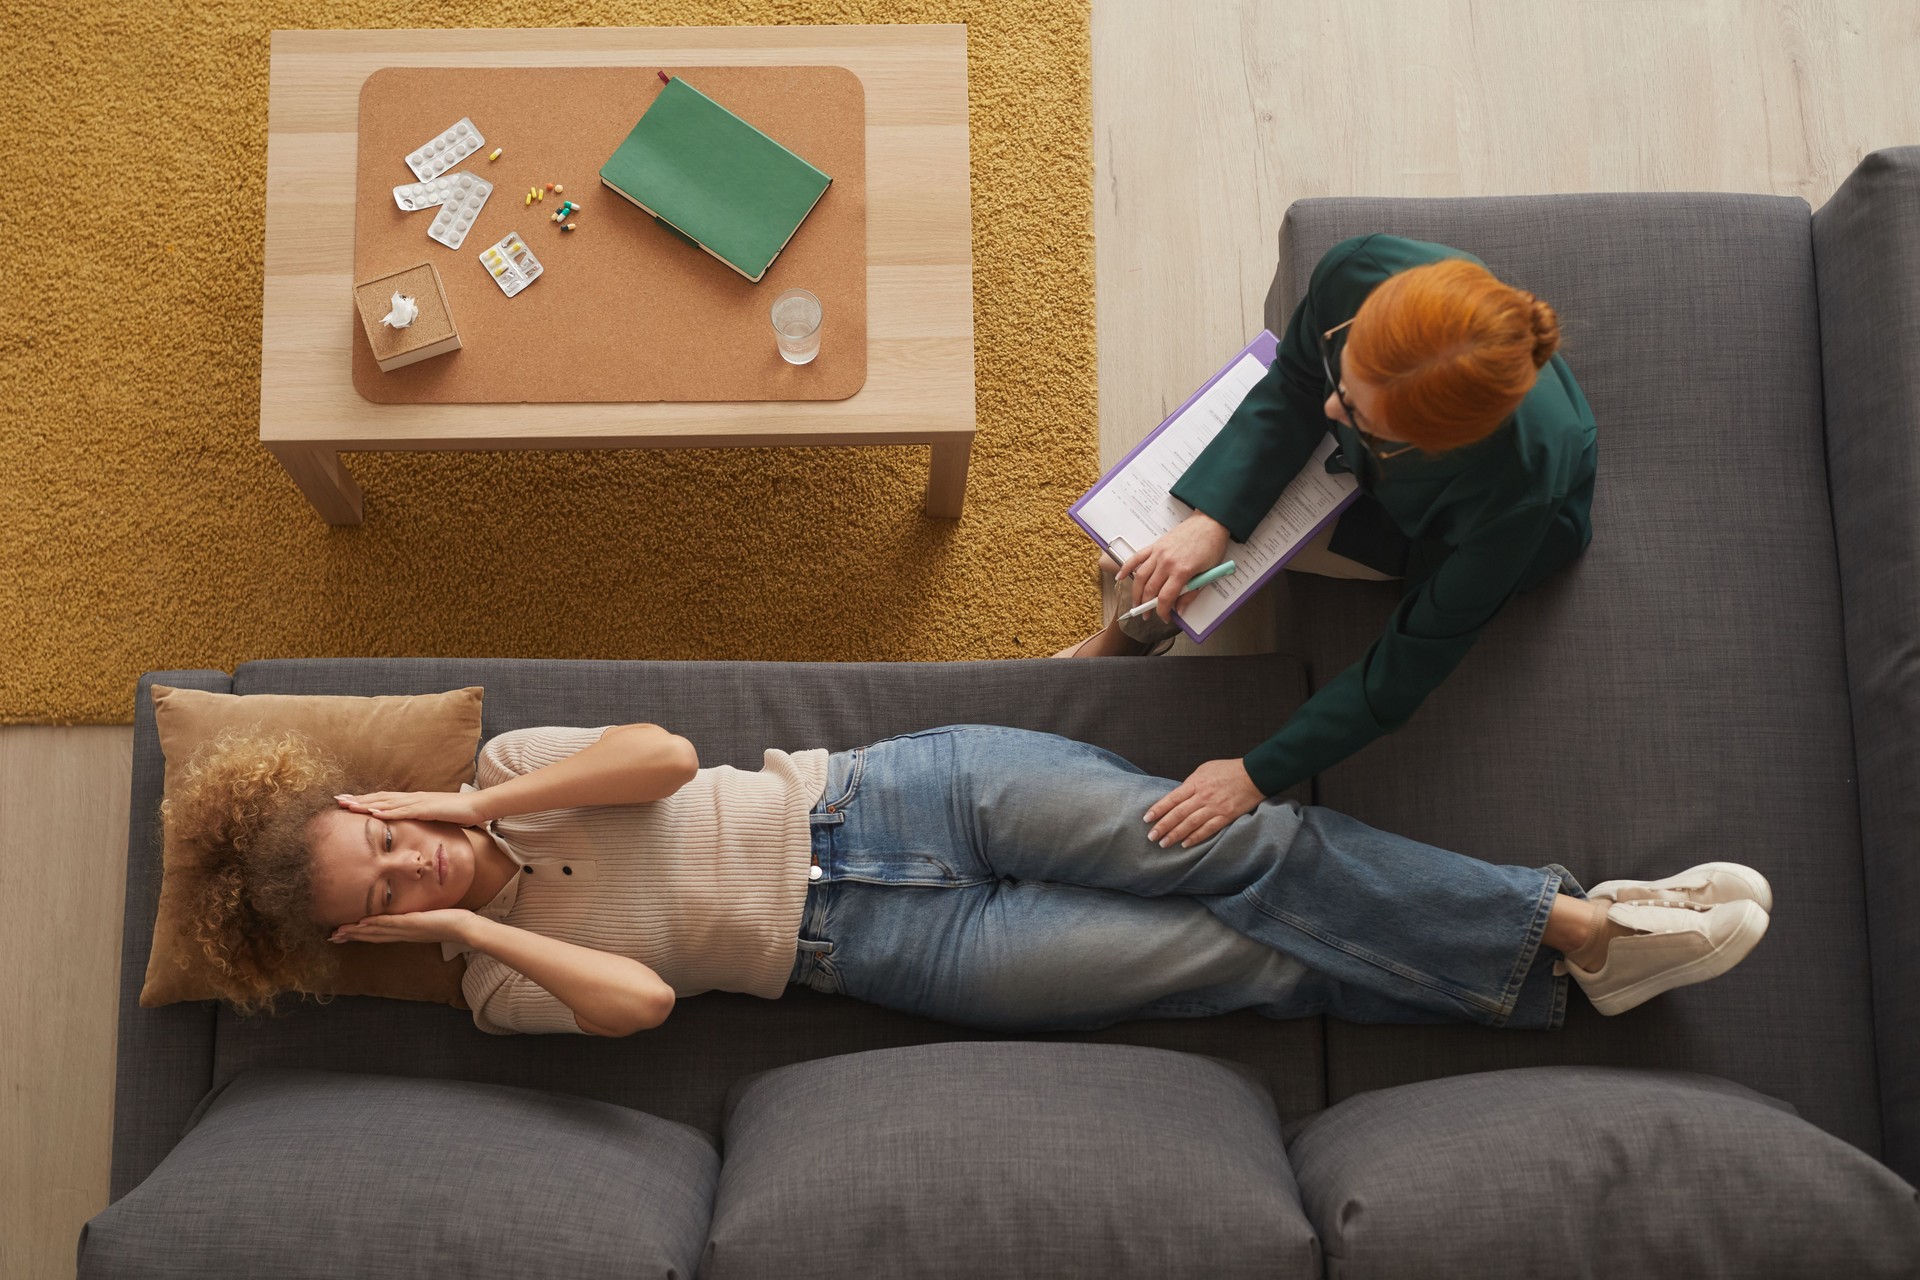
{"points": [[431, 333]]}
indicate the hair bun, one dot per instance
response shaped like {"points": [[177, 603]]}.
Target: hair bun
{"points": [[1546, 330]]}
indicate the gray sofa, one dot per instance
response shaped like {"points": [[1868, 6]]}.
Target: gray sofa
{"points": [[1729, 672]]}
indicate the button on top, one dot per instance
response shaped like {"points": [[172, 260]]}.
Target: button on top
{"points": [[814, 872]]}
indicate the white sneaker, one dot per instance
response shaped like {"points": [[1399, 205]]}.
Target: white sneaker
{"points": [[1673, 946], [1706, 885]]}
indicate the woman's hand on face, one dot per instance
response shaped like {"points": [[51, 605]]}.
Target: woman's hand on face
{"points": [[1174, 559], [418, 806], [1212, 796], [445, 925]]}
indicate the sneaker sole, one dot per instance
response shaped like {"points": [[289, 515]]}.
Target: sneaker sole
{"points": [[1757, 887], [1716, 962]]}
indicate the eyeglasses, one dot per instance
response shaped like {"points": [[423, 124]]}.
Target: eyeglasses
{"points": [[1372, 442]]}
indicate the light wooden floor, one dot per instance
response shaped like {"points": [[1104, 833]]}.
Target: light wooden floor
{"points": [[1209, 117]]}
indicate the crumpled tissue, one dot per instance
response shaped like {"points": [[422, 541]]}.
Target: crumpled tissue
{"points": [[404, 312]]}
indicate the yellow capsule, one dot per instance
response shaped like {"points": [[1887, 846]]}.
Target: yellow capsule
{"points": [[529, 199], [495, 155]]}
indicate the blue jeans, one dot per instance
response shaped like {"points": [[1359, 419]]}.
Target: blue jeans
{"points": [[1003, 879]]}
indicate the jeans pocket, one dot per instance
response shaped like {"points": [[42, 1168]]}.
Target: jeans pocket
{"points": [[825, 978], [854, 774]]}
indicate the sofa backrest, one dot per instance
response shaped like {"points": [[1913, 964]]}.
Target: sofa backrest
{"points": [[1866, 253], [1167, 717], [1680, 694]]}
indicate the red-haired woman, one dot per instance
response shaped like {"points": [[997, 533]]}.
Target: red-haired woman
{"points": [[1474, 452]]}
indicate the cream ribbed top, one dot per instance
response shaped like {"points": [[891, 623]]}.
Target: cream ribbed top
{"points": [[705, 887]]}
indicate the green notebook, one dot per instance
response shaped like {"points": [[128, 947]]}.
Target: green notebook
{"points": [[715, 179]]}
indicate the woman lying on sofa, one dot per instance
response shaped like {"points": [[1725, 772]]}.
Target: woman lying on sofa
{"points": [[991, 877]]}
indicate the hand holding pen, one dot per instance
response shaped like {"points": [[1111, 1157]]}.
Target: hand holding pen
{"points": [[1211, 576], [1176, 556]]}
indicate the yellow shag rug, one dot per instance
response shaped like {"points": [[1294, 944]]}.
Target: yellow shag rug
{"points": [[142, 526]]}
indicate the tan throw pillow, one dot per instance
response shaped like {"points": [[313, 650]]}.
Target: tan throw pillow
{"points": [[423, 743]]}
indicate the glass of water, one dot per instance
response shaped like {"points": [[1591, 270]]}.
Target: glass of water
{"points": [[796, 325]]}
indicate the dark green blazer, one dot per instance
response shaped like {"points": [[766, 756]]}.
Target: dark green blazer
{"points": [[1467, 528]]}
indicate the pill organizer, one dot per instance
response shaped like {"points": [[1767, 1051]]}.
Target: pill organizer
{"points": [[447, 150], [423, 195], [458, 208], [511, 264]]}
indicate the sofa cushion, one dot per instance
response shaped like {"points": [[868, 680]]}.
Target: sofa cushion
{"points": [[307, 1173], [426, 742], [1680, 693], [1006, 1158], [1595, 1171], [1866, 254]]}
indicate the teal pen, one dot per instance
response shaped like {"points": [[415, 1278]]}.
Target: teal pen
{"points": [[1212, 575]]}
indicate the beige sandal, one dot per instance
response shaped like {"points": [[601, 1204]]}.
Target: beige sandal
{"points": [[1151, 636]]}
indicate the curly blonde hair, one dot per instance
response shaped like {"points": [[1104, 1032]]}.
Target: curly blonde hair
{"points": [[244, 804]]}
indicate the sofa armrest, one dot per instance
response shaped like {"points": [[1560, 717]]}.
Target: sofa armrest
{"points": [[1866, 248], [164, 1060]]}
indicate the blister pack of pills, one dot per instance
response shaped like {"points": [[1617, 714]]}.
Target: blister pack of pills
{"points": [[459, 206], [423, 195], [511, 264], [449, 149]]}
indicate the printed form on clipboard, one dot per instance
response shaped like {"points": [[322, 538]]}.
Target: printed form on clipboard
{"points": [[1131, 505]]}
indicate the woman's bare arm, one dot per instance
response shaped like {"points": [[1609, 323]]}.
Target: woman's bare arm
{"points": [[610, 995], [630, 764]]}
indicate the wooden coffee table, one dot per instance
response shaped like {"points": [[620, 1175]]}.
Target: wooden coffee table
{"points": [[919, 387]]}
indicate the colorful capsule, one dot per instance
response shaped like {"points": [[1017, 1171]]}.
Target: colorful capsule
{"points": [[494, 154], [566, 226]]}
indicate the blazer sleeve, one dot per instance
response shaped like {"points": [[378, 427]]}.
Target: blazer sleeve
{"points": [[1242, 471], [1428, 634]]}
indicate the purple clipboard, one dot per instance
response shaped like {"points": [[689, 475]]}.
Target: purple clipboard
{"points": [[1266, 349]]}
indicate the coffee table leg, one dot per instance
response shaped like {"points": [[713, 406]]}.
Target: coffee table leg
{"points": [[947, 479], [324, 479]]}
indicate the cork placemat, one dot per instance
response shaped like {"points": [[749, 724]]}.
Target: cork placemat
{"points": [[625, 310]]}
